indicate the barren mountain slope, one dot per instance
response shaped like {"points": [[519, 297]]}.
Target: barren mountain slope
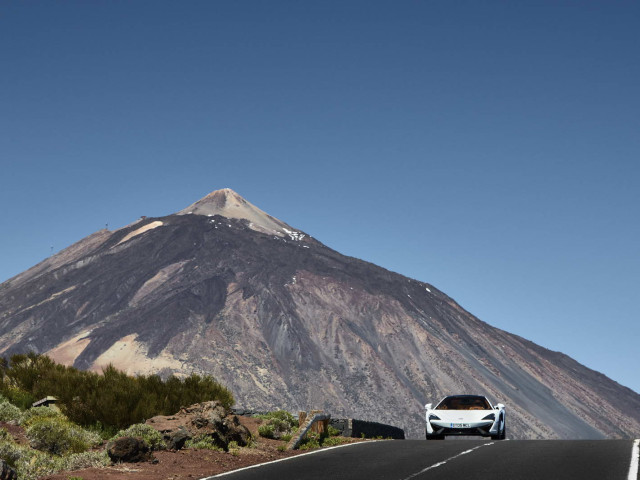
{"points": [[286, 322]]}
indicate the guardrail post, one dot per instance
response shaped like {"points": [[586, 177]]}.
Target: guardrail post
{"points": [[306, 422]]}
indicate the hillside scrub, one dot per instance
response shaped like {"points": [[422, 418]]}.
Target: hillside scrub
{"points": [[8, 411], [278, 425], [113, 400], [59, 436], [150, 435], [52, 439]]}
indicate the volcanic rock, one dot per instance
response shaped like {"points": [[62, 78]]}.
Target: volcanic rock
{"points": [[224, 289], [209, 419], [129, 450]]}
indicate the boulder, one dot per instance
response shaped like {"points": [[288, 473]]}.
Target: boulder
{"points": [[129, 450], [178, 438], [235, 432], [209, 419]]}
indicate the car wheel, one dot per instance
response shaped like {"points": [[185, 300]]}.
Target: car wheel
{"points": [[434, 437], [503, 434]]}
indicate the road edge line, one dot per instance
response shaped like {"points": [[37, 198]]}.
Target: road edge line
{"points": [[633, 467], [257, 465]]}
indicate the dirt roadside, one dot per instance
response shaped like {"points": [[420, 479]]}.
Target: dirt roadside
{"points": [[189, 464]]}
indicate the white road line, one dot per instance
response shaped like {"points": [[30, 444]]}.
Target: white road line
{"points": [[633, 467], [436, 465], [257, 465]]}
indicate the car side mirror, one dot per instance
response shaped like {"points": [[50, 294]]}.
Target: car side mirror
{"points": [[428, 406]]}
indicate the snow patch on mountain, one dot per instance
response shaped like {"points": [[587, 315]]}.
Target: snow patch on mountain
{"points": [[297, 236]]}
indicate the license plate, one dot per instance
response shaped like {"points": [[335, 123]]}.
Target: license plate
{"points": [[459, 425]]}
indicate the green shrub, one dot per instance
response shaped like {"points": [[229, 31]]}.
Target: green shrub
{"points": [[333, 441], [313, 440], [280, 416], [309, 443], [202, 442], [32, 464], [37, 413], [113, 398], [267, 431], [277, 425], [29, 464], [38, 465], [11, 452], [57, 435], [8, 411], [21, 399], [333, 432], [150, 435], [233, 448], [77, 461]]}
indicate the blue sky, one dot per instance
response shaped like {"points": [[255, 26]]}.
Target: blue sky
{"points": [[489, 148]]}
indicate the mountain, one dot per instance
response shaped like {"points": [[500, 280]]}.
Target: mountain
{"points": [[222, 288]]}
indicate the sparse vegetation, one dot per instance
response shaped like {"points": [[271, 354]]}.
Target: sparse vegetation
{"points": [[103, 403], [8, 411], [279, 425], [202, 442], [314, 440], [77, 461], [31, 464], [150, 435], [58, 436], [39, 413], [92, 407], [234, 449]]}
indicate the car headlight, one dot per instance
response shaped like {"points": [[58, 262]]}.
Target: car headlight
{"points": [[491, 416], [433, 417]]}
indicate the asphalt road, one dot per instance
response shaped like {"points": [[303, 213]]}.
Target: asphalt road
{"points": [[469, 460]]}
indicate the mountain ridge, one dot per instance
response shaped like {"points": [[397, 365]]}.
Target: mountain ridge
{"points": [[287, 322]]}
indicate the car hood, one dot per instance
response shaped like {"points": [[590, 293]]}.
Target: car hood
{"points": [[455, 416]]}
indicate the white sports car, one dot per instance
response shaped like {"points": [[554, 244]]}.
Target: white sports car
{"points": [[465, 415]]}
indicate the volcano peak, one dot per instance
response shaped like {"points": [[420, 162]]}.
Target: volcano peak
{"points": [[228, 203]]}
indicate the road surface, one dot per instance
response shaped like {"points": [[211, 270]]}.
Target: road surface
{"points": [[461, 459]]}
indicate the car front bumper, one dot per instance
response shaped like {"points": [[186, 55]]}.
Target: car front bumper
{"points": [[484, 428]]}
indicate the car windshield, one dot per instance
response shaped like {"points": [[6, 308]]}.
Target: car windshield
{"points": [[464, 402]]}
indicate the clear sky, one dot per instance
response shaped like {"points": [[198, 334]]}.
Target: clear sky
{"points": [[489, 148]]}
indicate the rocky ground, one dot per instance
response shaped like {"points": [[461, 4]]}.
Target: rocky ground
{"points": [[189, 464]]}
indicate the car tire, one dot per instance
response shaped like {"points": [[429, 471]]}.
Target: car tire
{"points": [[502, 433]]}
